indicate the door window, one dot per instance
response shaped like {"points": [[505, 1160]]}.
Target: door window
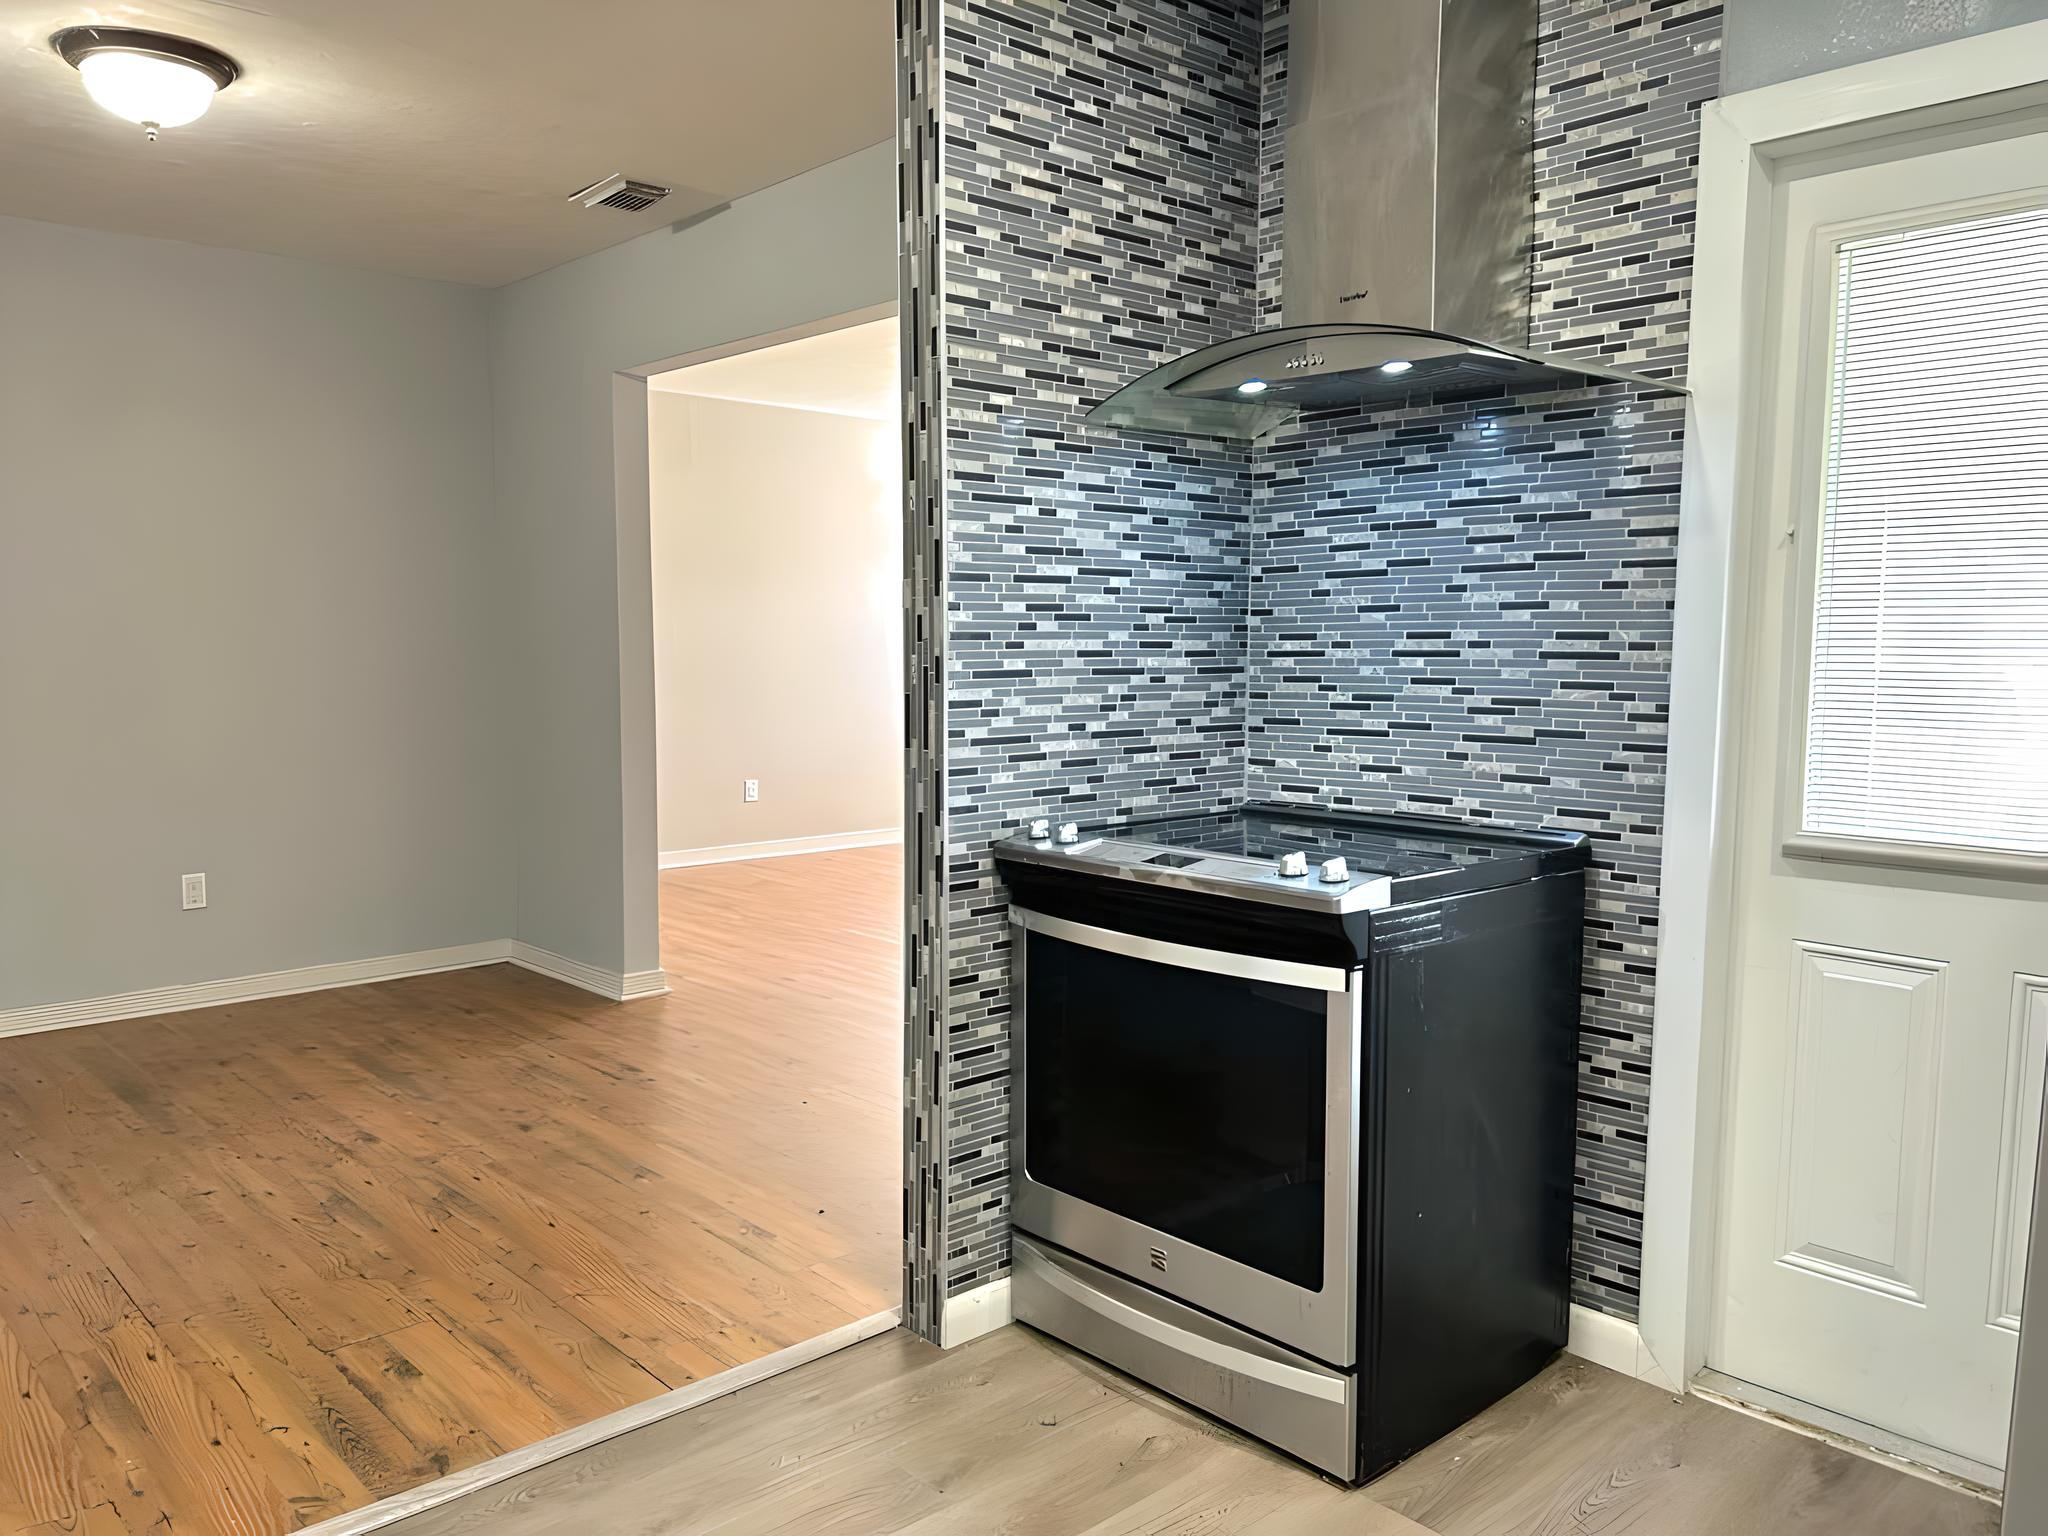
{"points": [[1927, 704]]}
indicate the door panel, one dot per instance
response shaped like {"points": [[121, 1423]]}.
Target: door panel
{"points": [[1866, 1033], [1888, 1019]]}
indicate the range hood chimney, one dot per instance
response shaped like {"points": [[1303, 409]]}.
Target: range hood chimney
{"points": [[1406, 227]]}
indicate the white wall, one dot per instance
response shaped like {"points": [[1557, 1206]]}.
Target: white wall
{"points": [[777, 538], [1765, 41], [248, 623], [818, 245]]}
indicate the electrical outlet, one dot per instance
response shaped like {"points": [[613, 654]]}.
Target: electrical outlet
{"points": [[194, 892], [750, 790]]}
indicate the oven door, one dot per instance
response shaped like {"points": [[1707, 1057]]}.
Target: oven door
{"points": [[1189, 1117]]}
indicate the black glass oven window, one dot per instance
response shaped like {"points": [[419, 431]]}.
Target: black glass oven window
{"points": [[1188, 1101]]}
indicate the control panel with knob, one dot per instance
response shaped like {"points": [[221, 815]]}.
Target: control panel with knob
{"points": [[1335, 871], [1294, 866]]}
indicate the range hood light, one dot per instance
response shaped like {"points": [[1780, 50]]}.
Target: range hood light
{"points": [[1252, 387], [1396, 365]]}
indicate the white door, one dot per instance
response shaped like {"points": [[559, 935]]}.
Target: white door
{"points": [[1891, 987]]}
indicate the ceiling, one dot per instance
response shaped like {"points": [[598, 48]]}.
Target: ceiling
{"points": [[441, 138], [849, 372]]}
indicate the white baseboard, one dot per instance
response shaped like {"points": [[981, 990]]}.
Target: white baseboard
{"points": [[1616, 1344], [620, 987], [972, 1313], [181, 997], [777, 848], [403, 1506], [185, 996], [638, 984]]}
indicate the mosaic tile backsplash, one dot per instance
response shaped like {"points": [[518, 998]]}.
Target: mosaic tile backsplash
{"points": [[1461, 609], [1100, 160]]}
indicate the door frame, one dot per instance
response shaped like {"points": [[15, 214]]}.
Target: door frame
{"points": [[1744, 141], [632, 520]]}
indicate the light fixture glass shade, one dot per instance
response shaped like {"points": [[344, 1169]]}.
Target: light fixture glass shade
{"points": [[145, 88]]}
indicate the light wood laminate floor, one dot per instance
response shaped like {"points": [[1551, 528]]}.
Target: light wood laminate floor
{"points": [[1018, 1435], [264, 1263]]}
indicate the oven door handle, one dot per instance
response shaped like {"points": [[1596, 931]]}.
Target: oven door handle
{"points": [[1287, 973]]}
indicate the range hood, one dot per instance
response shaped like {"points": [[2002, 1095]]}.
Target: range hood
{"points": [[1406, 228]]}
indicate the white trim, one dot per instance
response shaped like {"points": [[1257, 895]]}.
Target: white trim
{"points": [[867, 314], [677, 391], [973, 1313], [1945, 858], [634, 985], [619, 986], [1615, 1343], [184, 996], [1856, 95], [779, 847], [403, 1506], [1741, 137]]}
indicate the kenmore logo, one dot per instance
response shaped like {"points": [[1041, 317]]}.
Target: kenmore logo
{"points": [[1346, 298]]}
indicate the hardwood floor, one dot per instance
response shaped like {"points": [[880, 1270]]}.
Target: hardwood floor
{"points": [[264, 1263], [1017, 1434]]}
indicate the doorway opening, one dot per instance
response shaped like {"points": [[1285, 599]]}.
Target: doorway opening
{"points": [[775, 553]]}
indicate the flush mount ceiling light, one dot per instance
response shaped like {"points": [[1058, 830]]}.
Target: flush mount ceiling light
{"points": [[1396, 365], [1252, 387], [150, 78]]}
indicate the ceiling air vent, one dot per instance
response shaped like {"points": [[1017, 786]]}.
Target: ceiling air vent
{"points": [[621, 192]]}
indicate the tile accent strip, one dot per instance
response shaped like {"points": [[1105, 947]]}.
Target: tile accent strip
{"points": [[919, 169]]}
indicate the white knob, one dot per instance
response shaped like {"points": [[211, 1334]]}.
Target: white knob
{"points": [[1335, 872], [1041, 829], [1069, 833], [1294, 865]]}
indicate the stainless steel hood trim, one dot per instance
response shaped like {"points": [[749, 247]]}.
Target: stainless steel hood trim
{"points": [[1331, 366], [1407, 229]]}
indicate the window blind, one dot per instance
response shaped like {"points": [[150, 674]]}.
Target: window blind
{"points": [[1927, 715]]}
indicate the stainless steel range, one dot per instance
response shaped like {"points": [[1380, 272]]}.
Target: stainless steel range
{"points": [[1293, 1112]]}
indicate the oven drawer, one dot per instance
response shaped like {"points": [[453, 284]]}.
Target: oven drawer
{"points": [[1283, 1398]]}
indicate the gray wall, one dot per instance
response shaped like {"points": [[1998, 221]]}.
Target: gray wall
{"points": [[577, 578], [1771, 40], [247, 622]]}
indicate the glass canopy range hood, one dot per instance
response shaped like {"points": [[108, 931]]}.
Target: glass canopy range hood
{"points": [[1406, 228], [1253, 385]]}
